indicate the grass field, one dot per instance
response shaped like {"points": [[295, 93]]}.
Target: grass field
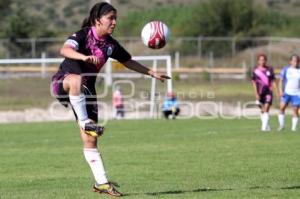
{"points": [[152, 159]]}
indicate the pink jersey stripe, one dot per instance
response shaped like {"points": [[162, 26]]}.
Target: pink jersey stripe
{"points": [[262, 76]]}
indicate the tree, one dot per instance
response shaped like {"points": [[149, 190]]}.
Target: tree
{"points": [[20, 24]]}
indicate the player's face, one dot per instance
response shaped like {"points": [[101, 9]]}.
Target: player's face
{"points": [[294, 62], [108, 22], [261, 61]]}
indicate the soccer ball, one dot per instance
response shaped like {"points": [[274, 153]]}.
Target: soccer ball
{"points": [[155, 34]]}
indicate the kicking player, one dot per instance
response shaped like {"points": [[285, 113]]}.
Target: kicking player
{"points": [[263, 79], [289, 90], [85, 52]]}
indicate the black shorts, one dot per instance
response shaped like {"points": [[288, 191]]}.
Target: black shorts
{"points": [[266, 98], [62, 96]]}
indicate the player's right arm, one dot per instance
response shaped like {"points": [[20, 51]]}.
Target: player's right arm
{"points": [[69, 52], [71, 47], [280, 87], [253, 77], [255, 90]]}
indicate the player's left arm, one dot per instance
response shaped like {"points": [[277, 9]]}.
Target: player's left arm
{"points": [[120, 54], [136, 66]]}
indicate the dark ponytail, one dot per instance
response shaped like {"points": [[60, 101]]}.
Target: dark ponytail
{"points": [[97, 11], [86, 23]]}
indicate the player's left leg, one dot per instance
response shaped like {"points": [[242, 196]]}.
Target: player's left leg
{"points": [[281, 115], [93, 158], [92, 154], [296, 105], [265, 117], [266, 100], [295, 118]]}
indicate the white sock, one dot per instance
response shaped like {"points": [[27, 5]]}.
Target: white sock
{"points": [[265, 121], [294, 123], [281, 120], [93, 158], [261, 117], [79, 105]]}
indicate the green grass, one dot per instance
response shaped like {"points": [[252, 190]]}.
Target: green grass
{"points": [[152, 159]]}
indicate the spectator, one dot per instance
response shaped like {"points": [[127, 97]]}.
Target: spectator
{"points": [[118, 105], [170, 106]]}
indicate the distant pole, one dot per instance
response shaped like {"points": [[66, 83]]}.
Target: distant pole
{"points": [[200, 46], [153, 90], [33, 47], [44, 65], [211, 64], [233, 46], [108, 67], [177, 57]]}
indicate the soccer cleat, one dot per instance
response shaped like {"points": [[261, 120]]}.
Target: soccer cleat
{"points": [[108, 188], [93, 129]]}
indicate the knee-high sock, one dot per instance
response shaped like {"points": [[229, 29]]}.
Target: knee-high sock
{"points": [[281, 120], [94, 159], [265, 121], [294, 123], [79, 105]]}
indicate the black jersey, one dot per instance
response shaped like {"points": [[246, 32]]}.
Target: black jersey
{"points": [[87, 42]]}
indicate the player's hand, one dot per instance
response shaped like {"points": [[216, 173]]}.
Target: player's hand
{"points": [[92, 59], [161, 77]]}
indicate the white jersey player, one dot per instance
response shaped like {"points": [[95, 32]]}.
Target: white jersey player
{"points": [[289, 89]]}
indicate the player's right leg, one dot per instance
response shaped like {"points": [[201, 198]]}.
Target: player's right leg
{"points": [[265, 117], [167, 113], [296, 105], [266, 101], [72, 84], [281, 116], [295, 118]]}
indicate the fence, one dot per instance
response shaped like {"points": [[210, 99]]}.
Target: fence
{"points": [[190, 51]]}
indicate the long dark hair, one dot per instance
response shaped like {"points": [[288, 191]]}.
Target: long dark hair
{"points": [[97, 11]]}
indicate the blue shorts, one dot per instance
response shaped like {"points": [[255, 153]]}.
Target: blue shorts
{"points": [[293, 99]]}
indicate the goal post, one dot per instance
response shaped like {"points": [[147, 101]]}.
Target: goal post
{"points": [[154, 59]]}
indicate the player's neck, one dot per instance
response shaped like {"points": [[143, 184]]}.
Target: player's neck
{"points": [[100, 33], [262, 66]]}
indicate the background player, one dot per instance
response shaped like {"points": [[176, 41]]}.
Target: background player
{"points": [[289, 90], [118, 105], [85, 52], [171, 106], [263, 78]]}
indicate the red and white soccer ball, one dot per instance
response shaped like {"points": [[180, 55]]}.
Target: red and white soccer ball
{"points": [[155, 34]]}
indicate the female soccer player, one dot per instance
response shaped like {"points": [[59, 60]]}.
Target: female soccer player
{"points": [[289, 90], [263, 78], [85, 53]]}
